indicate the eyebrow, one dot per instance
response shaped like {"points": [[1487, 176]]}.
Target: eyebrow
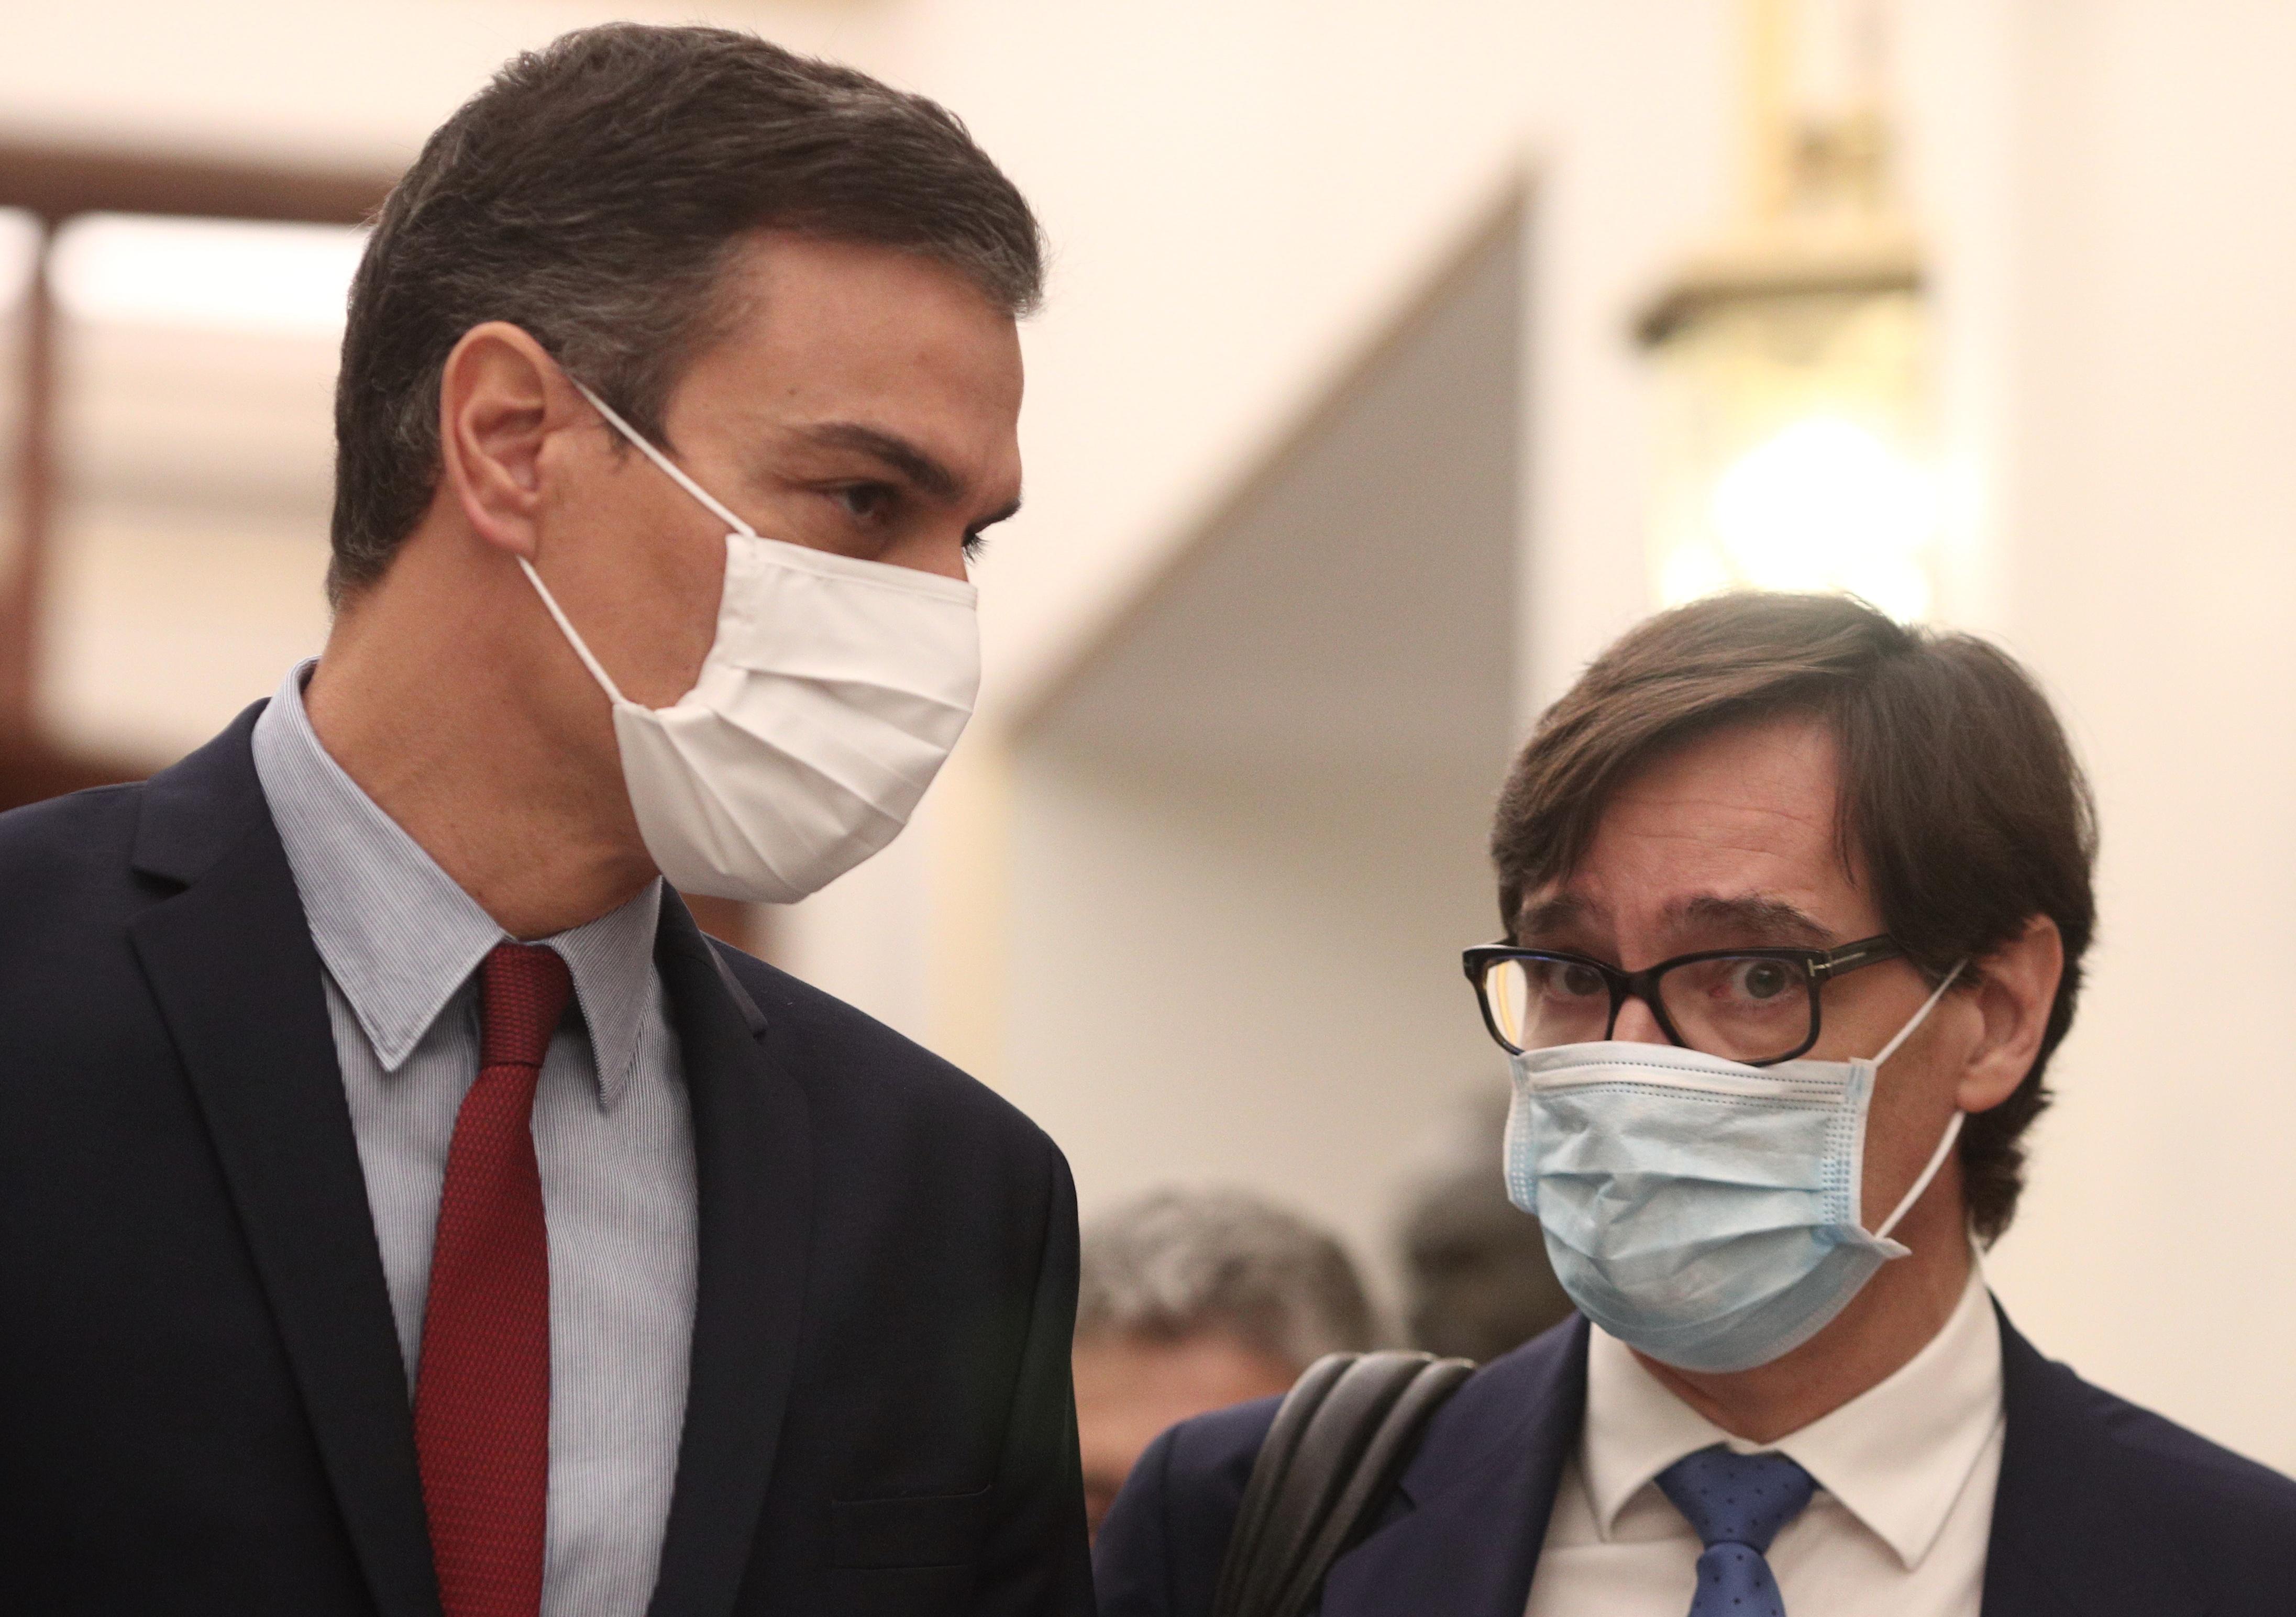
{"points": [[1768, 920], [899, 455], [1550, 914], [908, 461], [1753, 918]]}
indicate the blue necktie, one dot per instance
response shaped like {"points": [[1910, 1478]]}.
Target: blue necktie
{"points": [[1738, 1503]]}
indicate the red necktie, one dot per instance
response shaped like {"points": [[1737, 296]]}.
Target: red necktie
{"points": [[482, 1393]]}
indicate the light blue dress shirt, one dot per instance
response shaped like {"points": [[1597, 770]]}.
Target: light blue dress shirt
{"points": [[401, 944]]}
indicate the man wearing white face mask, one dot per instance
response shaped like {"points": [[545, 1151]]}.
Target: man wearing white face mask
{"points": [[1796, 900], [406, 1208]]}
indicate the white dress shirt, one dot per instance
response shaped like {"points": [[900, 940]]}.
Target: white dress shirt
{"points": [[1906, 1474], [401, 944]]}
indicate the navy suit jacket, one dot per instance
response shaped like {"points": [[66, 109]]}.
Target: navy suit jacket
{"points": [[201, 1404], [2103, 1509]]}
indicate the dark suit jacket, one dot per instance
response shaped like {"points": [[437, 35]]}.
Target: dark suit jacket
{"points": [[201, 1404], [2103, 1509]]}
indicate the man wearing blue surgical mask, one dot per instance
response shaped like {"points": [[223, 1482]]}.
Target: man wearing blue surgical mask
{"points": [[1795, 901], [404, 1208]]}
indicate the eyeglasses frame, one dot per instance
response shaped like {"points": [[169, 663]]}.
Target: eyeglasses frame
{"points": [[1819, 965]]}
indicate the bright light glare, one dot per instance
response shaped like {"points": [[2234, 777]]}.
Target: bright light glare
{"points": [[1824, 505], [219, 274]]}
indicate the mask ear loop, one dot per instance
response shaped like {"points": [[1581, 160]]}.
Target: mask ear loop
{"points": [[1952, 1133], [677, 474], [1952, 1130], [597, 669]]}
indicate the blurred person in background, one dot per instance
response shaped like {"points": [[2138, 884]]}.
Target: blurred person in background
{"points": [[1796, 900], [1477, 1282], [1190, 1301], [405, 1209]]}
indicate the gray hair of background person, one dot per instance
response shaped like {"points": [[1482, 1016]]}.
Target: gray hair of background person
{"points": [[591, 195], [1477, 1282], [1175, 1264]]}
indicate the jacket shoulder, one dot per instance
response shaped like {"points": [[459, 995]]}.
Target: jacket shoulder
{"points": [[2236, 1504], [852, 1059], [1485, 1454], [100, 813], [66, 849], [1159, 1553], [2169, 1519], [111, 847]]}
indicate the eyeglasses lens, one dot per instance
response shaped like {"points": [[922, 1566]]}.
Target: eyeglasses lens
{"points": [[1745, 1008], [1538, 1003]]}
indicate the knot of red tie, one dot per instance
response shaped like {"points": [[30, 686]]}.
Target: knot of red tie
{"points": [[523, 990]]}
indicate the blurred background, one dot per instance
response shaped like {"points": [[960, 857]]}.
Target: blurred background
{"points": [[1399, 356]]}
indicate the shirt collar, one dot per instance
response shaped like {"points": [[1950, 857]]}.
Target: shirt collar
{"points": [[397, 933], [1896, 1457]]}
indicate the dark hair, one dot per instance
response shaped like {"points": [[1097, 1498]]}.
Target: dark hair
{"points": [[1959, 797], [591, 195]]}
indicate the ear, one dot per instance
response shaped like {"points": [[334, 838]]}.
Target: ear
{"points": [[2017, 986], [500, 398]]}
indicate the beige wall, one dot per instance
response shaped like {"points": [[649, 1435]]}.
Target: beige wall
{"points": [[189, 532], [2151, 555], [1247, 841]]}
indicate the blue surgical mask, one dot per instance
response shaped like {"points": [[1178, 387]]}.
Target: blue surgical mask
{"points": [[1701, 1210]]}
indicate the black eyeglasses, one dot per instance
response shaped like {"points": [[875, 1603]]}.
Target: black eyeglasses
{"points": [[1755, 1006]]}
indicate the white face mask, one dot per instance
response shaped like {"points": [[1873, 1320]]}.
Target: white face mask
{"points": [[831, 694]]}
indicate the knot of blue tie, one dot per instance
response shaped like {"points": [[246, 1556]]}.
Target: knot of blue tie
{"points": [[1737, 1503]]}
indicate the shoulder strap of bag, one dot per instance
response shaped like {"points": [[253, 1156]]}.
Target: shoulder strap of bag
{"points": [[1339, 1443]]}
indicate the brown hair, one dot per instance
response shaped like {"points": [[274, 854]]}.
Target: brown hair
{"points": [[591, 195], [1959, 796]]}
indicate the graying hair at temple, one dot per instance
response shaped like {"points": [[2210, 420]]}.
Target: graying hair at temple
{"points": [[1177, 1264]]}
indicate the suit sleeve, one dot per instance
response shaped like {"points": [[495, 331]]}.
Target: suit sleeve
{"points": [[1034, 1560]]}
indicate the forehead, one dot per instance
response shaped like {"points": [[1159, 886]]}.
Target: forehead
{"points": [[810, 329], [1746, 812]]}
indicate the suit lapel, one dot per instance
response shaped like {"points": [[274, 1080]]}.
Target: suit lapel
{"points": [[752, 1169], [1464, 1538], [2066, 1541], [231, 963]]}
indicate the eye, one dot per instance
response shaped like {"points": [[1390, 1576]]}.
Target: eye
{"points": [[866, 503], [1564, 979], [1583, 982], [1763, 979]]}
